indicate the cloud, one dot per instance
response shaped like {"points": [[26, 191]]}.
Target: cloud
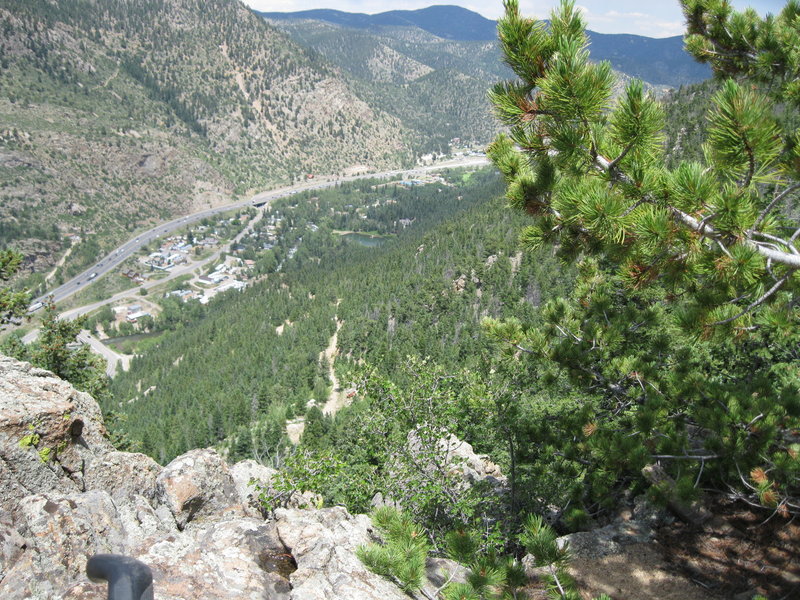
{"points": [[616, 14]]}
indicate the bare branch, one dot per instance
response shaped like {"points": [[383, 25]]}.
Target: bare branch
{"points": [[686, 456], [777, 240], [774, 203], [723, 248], [624, 153], [634, 206], [785, 258], [758, 302]]}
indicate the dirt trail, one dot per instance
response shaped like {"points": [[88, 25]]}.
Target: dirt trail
{"points": [[294, 429], [337, 399], [60, 262]]}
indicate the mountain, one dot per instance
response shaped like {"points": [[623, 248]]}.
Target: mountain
{"points": [[448, 22], [117, 114], [428, 68], [436, 87], [661, 62]]}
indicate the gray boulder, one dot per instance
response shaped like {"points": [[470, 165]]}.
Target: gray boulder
{"points": [[240, 558], [323, 543], [124, 474], [243, 473], [198, 485], [50, 433]]}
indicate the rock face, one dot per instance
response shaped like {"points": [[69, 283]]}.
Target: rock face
{"points": [[198, 484], [66, 494], [632, 527], [461, 461], [323, 543]]}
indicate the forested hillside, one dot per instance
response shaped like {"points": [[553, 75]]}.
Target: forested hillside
{"points": [[423, 292], [116, 114], [405, 69], [255, 356]]}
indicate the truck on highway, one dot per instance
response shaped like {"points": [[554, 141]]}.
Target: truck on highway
{"points": [[92, 276]]}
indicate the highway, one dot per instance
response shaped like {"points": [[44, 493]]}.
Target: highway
{"points": [[129, 248], [192, 267]]}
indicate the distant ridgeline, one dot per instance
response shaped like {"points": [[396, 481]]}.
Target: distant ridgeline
{"points": [[661, 62]]}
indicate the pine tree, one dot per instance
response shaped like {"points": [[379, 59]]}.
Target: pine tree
{"points": [[56, 349], [682, 332], [12, 304]]}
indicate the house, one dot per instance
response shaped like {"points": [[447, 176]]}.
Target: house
{"points": [[134, 275], [234, 284], [184, 295], [214, 277], [133, 317]]}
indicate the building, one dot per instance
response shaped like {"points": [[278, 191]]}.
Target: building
{"points": [[134, 317], [233, 284]]}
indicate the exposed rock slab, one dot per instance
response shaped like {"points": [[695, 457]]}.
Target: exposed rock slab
{"points": [[49, 431], [239, 558], [243, 473], [198, 484], [323, 543]]}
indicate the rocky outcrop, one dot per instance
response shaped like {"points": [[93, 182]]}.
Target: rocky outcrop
{"points": [[67, 494], [198, 484], [323, 543], [460, 460], [48, 433], [633, 526]]}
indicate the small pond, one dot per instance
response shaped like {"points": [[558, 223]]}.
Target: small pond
{"points": [[370, 241]]}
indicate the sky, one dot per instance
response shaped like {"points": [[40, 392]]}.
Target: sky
{"points": [[653, 18]]}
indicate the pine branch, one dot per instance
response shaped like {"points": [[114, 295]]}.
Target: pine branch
{"points": [[751, 163], [791, 259], [777, 240], [686, 456]]}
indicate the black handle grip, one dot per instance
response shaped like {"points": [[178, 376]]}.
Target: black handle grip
{"points": [[128, 579]]}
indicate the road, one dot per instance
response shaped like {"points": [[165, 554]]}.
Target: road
{"points": [[130, 292], [129, 248], [112, 358]]}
